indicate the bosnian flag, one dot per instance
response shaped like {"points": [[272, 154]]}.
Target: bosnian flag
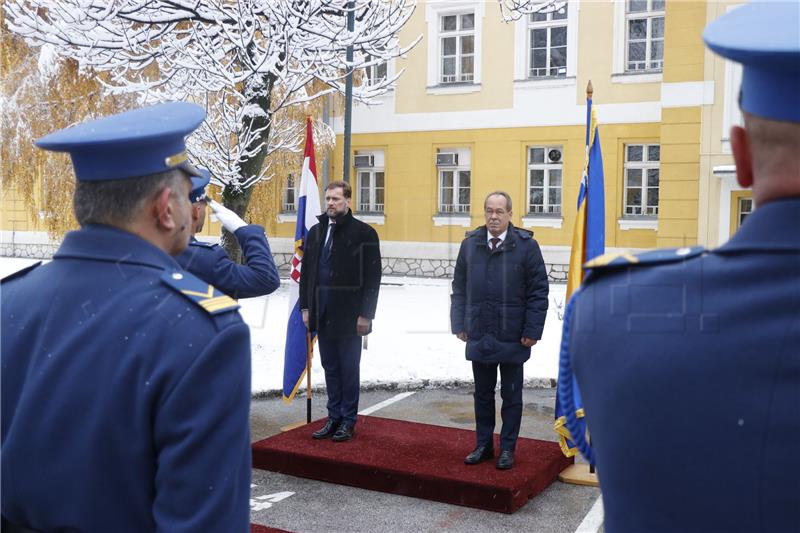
{"points": [[308, 209]]}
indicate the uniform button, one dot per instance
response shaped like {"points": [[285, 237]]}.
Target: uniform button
{"points": [[177, 275]]}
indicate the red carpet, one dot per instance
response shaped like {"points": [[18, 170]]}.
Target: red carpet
{"points": [[258, 528], [411, 459]]}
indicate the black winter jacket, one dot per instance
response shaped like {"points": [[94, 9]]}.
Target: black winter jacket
{"points": [[355, 276], [499, 297]]}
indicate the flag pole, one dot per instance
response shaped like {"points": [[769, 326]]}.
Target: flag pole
{"points": [[581, 473], [309, 355]]}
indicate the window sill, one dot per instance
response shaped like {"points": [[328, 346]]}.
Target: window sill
{"points": [[535, 83], [371, 218], [452, 220], [626, 224], [287, 217], [541, 222], [638, 77], [454, 88]]}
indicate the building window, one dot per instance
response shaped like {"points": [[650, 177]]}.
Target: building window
{"points": [[644, 31], [547, 38], [745, 208], [376, 73], [454, 189], [370, 190], [545, 167], [641, 179], [290, 195], [457, 38]]}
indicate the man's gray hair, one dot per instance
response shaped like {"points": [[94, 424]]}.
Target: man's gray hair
{"points": [[116, 202], [504, 194]]}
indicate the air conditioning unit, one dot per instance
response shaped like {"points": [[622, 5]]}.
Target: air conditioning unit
{"points": [[554, 155], [446, 159], [364, 161]]}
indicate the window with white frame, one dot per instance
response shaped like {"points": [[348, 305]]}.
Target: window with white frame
{"points": [[455, 180], [644, 35], [547, 42], [375, 73], [457, 48], [745, 207], [371, 190], [290, 195], [641, 179], [545, 168]]}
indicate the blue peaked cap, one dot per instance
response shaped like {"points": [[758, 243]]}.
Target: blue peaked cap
{"points": [[764, 36], [130, 144], [199, 185]]}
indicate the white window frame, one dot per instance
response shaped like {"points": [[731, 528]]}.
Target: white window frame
{"points": [[546, 167], [372, 207], [434, 10], [740, 211], [548, 25], [286, 207], [619, 71], [370, 71], [458, 34], [522, 49], [644, 165]]}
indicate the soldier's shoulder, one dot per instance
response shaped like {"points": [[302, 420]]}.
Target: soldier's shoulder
{"points": [[20, 273], [204, 245], [612, 262], [211, 300]]}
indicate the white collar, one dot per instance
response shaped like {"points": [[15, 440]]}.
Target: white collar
{"points": [[489, 237]]}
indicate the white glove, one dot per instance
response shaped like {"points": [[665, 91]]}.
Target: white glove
{"points": [[229, 220]]}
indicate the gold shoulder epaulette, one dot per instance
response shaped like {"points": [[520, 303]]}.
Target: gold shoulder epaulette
{"points": [[200, 292]]}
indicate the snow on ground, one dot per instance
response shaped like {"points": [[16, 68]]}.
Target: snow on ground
{"points": [[411, 340]]}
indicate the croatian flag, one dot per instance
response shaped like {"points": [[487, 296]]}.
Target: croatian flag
{"points": [[308, 209]]}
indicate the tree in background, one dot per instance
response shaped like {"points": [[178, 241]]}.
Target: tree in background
{"points": [[249, 62], [512, 10]]}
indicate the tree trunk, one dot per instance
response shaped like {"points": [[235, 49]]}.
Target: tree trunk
{"points": [[237, 199]]}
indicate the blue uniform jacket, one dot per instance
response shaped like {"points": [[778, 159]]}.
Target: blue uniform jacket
{"points": [[257, 277], [124, 399], [499, 296], [689, 367]]}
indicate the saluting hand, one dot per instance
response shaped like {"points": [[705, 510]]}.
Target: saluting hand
{"points": [[229, 220], [526, 342]]}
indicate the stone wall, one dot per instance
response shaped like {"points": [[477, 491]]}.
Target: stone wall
{"points": [[440, 265]]}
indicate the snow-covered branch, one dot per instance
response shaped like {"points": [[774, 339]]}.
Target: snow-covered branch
{"points": [[512, 10]]}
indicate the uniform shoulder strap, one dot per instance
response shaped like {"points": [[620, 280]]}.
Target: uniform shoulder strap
{"points": [[20, 273], [198, 291]]}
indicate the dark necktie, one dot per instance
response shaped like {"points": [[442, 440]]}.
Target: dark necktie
{"points": [[495, 242], [326, 250]]}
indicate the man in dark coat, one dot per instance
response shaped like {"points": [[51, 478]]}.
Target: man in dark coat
{"points": [[688, 360], [498, 307], [339, 286], [258, 275]]}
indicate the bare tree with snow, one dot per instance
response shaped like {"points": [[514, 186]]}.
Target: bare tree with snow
{"points": [[244, 60], [512, 10]]}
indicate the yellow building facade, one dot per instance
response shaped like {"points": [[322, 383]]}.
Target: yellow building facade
{"points": [[482, 104], [663, 102]]}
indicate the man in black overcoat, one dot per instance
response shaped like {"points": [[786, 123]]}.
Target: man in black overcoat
{"points": [[339, 286], [498, 307]]}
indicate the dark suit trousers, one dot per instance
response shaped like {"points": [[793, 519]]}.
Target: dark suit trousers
{"points": [[341, 359], [485, 375]]}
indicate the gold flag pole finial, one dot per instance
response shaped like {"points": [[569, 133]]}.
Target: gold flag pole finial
{"points": [[589, 89]]}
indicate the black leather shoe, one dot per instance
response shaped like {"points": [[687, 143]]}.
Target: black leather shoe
{"points": [[328, 430], [479, 454], [345, 432], [505, 460]]}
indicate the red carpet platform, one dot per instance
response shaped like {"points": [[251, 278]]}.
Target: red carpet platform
{"points": [[411, 459], [258, 528]]}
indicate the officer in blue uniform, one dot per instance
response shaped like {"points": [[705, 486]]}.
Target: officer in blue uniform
{"points": [[125, 380], [688, 361], [209, 262]]}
